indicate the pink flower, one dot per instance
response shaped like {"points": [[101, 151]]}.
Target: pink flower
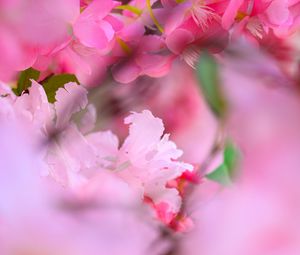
{"points": [[62, 158], [146, 161], [193, 27], [257, 17], [37, 216], [88, 220], [154, 153], [148, 57], [30, 28], [188, 40], [93, 27]]}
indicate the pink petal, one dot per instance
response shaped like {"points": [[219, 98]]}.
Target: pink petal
{"points": [[126, 72], [91, 34], [230, 13], [178, 40], [278, 12], [144, 130], [70, 99], [98, 9]]}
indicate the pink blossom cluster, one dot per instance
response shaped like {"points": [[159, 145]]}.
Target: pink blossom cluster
{"points": [[141, 37], [146, 161], [67, 170]]}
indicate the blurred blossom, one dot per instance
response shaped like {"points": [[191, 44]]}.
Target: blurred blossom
{"points": [[259, 214], [38, 216], [146, 162], [246, 219], [177, 100]]}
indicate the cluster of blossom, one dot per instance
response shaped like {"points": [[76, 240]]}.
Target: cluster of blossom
{"points": [[141, 37], [75, 156], [39, 217], [101, 207]]}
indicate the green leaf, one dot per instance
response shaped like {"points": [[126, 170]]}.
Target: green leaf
{"points": [[225, 173], [220, 175], [208, 76], [53, 83], [231, 156], [24, 81]]}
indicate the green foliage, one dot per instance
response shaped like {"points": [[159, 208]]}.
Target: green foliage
{"points": [[24, 81], [53, 83], [225, 173], [208, 76], [220, 175], [50, 84], [231, 156]]}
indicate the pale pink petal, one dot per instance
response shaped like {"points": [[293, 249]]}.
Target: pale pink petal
{"points": [[105, 146], [35, 104], [145, 130], [87, 122], [69, 100]]}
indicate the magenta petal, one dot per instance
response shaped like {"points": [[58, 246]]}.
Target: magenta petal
{"points": [[27, 59], [98, 9], [230, 13], [178, 40], [91, 34], [168, 3], [162, 67], [175, 17], [151, 43], [126, 72]]}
